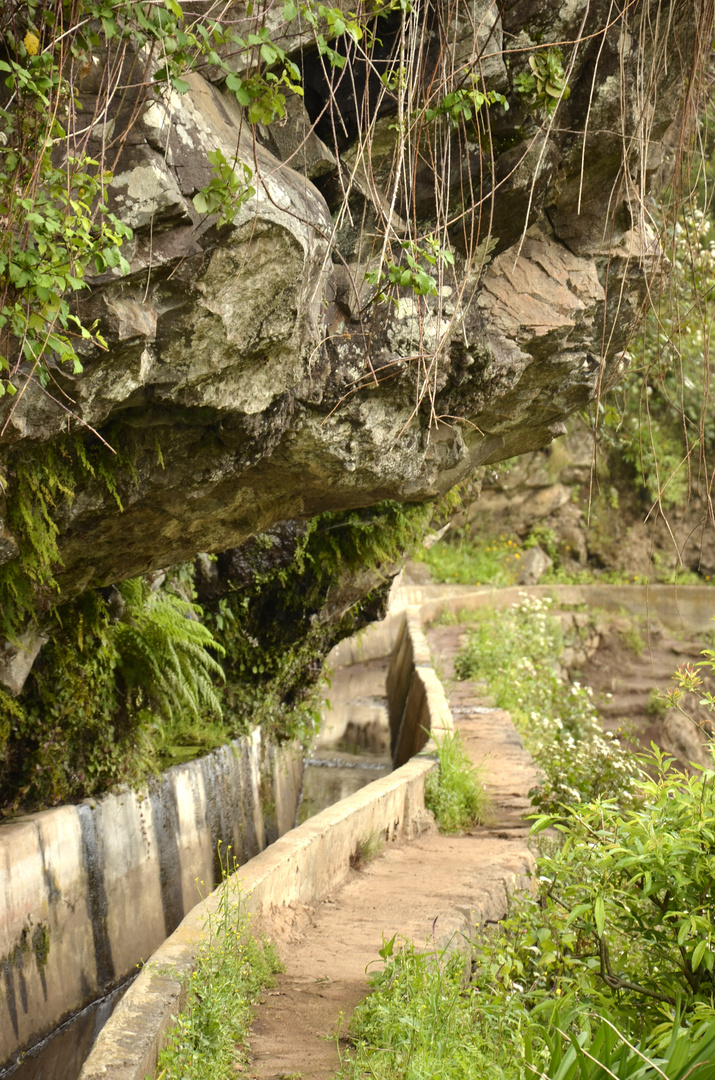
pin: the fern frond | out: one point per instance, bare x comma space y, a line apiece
164, 650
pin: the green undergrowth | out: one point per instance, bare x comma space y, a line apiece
497, 560
431, 1014
455, 793
424, 1020
208, 1038
604, 969
516, 652
106, 693
137, 677
38, 489
494, 561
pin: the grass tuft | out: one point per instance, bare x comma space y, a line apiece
455, 794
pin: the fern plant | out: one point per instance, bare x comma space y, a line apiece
164, 657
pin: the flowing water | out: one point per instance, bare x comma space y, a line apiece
61, 1055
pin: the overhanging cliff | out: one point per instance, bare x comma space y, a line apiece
254, 374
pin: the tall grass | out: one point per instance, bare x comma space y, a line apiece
207, 1041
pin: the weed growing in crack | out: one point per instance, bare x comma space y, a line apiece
367, 849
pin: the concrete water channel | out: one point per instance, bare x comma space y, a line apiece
351, 750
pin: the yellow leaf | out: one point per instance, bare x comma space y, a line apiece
31, 42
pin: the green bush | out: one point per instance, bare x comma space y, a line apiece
640, 887
600, 1051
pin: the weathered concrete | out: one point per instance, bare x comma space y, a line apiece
301, 867
416, 697
87, 892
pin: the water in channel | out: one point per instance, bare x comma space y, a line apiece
351, 750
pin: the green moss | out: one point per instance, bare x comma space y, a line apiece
42, 485
117, 694
41, 945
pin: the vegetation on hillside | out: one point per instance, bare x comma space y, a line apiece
136, 677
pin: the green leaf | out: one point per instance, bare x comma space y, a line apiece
697, 954
388, 948
599, 915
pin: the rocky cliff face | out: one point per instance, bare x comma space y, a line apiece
254, 375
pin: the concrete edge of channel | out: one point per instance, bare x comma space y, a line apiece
302, 866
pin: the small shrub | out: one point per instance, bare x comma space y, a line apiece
455, 794
657, 705
624, 910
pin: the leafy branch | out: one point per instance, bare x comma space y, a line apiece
545, 84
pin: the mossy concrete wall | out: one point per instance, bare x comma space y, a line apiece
87, 892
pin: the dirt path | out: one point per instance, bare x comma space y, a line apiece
429, 891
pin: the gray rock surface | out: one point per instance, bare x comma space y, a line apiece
533, 565
250, 378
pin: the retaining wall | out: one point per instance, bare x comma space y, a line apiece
690, 608
87, 892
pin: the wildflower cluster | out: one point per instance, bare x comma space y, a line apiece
516, 652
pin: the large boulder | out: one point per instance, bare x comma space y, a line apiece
253, 376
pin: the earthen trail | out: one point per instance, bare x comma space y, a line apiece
430, 890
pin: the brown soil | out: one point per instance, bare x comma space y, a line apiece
433, 890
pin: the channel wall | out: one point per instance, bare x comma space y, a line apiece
88, 892
302, 866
